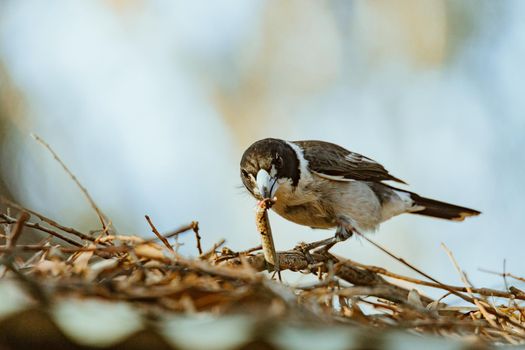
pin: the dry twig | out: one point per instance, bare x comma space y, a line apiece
17, 229
197, 236
159, 236
101, 216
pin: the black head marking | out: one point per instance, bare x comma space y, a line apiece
267, 154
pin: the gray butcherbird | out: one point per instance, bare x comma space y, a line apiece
322, 185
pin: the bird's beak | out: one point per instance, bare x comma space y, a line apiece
266, 184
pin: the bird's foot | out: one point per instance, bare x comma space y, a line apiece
343, 233
304, 248
307, 247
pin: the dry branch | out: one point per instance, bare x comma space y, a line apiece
296, 260
100, 214
48, 220
159, 236
17, 229
198, 238
37, 226
489, 292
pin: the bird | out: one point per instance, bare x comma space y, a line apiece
325, 186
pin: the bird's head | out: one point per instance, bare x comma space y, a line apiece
266, 165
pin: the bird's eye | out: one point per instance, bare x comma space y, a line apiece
244, 173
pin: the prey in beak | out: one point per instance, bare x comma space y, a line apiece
266, 184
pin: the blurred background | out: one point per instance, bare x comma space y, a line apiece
151, 104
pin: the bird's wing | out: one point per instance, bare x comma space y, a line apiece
334, 162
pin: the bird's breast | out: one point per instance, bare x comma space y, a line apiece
308, 214
304, 206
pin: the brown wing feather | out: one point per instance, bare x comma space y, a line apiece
333, 160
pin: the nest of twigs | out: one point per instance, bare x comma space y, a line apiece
152, 275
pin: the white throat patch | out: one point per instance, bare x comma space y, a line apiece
303, 163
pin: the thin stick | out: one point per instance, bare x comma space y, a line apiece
38, 247
492, 310
506, 274
177, 232
197, 236
38, 227
17, 228
480, 291
237, 254
48, 220
159, 236
250, 250
469, 288
403, 261
210, 251
100, 215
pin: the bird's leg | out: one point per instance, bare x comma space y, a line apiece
343, 232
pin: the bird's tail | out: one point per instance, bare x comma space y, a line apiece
441, 210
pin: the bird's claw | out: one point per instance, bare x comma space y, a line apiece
342, 233
310, 246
